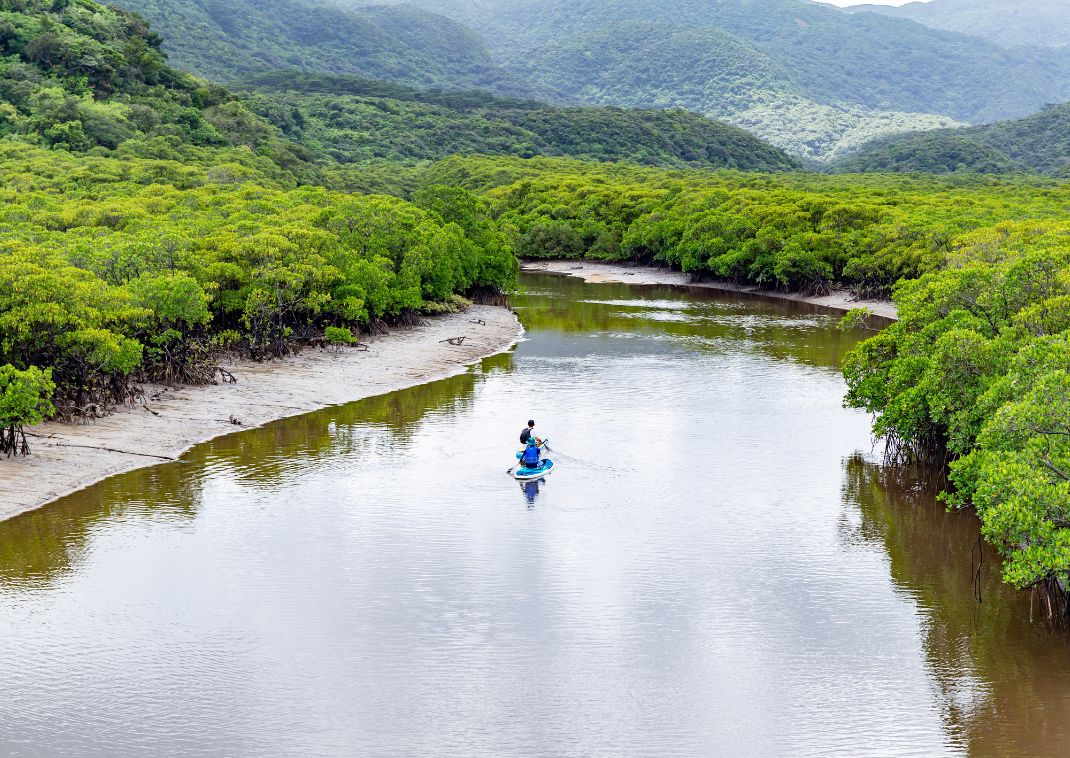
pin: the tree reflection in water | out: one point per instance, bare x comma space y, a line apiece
40, 547
1004, 683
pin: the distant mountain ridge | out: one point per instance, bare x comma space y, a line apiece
1037, 144
806, 76
1005, 22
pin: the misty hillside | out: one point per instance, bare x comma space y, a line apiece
1006, 22
225, 40
808, 77
1038, 144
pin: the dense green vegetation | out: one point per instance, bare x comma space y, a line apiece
808, 78
1005, 22
652, 64
795, 231
224, 40
25, 399
352, 120
979, 365
109, 275
151, 222
114, 272
1037, 144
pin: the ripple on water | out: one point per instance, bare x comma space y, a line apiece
368, 581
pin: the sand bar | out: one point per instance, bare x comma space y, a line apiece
66, 458
594, 272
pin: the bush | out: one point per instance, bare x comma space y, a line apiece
25, 400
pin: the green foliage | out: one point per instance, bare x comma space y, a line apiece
173, 329
706, 70
337, 335
793, 231
25, 399
978, 364
805, 76
110, 273
54, 314
78, 76
354, 120
1018, 476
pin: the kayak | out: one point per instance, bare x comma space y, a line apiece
523, 473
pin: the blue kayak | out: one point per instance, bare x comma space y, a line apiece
523, 473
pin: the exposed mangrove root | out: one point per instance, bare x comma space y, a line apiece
1054, 603
182, 362
13, 441
410, 319
225, 376
378, 328
488, 296
975, 568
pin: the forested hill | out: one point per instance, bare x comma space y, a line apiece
805, 76
351, 120
79, 76
1006, 22
866, 59
225, 40
808, 78
1038, 144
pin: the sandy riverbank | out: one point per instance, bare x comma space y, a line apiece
67, 458
593, 271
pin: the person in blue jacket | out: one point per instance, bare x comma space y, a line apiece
530, 458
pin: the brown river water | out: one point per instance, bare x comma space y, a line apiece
719, 565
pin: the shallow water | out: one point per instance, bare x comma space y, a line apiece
716, 567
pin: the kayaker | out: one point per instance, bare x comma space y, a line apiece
527, 433
530, 458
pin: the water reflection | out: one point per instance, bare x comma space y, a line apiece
365, 580
531, 490
1004, 684
41, 546
701, 319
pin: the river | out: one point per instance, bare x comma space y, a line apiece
718, 566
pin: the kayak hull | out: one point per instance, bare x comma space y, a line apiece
524, 474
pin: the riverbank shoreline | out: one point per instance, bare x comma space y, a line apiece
67, 458
595, 272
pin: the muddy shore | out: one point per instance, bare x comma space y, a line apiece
69, 457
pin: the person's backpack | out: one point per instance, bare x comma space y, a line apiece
531, 456
525, 435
